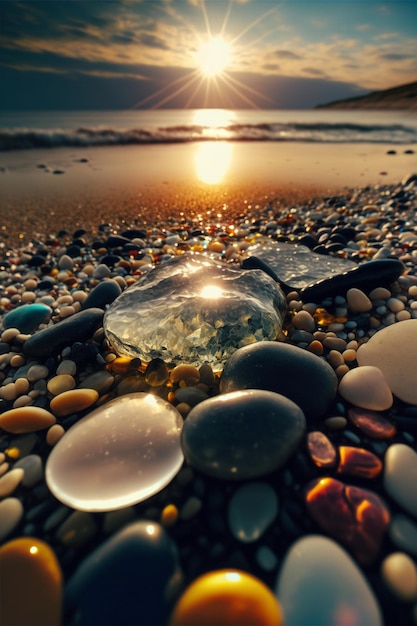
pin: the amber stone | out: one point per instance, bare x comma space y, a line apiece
323, 318
156, 373
372, 423
321, 450
358, 462
356, 517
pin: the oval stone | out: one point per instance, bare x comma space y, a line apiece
125, 580
252, 508
243, 434
367, 388
285, 369
400, 476
393, 350
103, 294
320, 584
119, 454
30, 584
27, 317
73, 401
26, 419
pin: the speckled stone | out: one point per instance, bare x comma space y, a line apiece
27, 317
285, 369
78, 327
30, 584
320, 584
222, 438
103, 591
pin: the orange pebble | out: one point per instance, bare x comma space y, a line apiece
26, 419
169, 515
72, 401
227, 598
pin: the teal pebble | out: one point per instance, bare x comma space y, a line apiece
27, 317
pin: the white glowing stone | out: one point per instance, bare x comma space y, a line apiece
120, 454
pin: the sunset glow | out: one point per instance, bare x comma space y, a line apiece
214, 56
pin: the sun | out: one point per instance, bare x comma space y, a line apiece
214, 56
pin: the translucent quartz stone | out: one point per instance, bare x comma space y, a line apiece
195, 310
120, 454
252, 509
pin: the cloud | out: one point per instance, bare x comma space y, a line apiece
286, 54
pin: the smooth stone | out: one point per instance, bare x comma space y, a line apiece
366, 387
400, 476
103, 294
251, 510
227, 596
11, 512
372, 423
321, 450
26, 419
37, 372
31, 583
285, 369
101, 381
399, 573
356, 517
403, 533
296, 266
364, 276
243, 434
394, 350
73, 401
77, 530
126, 580
195, 310
119, 454
320, 585
65, 262
358, 462
27, 317
358, 301
60, 383
10, 481
51, 340
33, 468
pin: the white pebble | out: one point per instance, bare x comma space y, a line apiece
304, 321
10, 481
400, 472
11, 512
367, 388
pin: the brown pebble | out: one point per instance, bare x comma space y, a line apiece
372, 423
184, 372
316, 347
59, 384
358, 462
27, 419
73, 401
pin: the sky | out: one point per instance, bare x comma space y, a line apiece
127, 54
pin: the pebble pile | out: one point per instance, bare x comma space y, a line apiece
163, 492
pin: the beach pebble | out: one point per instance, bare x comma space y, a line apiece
103, 591
283, 369
101, 381
60, 383
37, 372
367, 388
54, 434
321, 450
33, 469
399, 572
304, 321
11, 512
231, 597
50, 340
394, 351
95, 465
221, 438
358, 462
31, 583
358, 301
403, 533
356, 517
103, 294
372, 423
26, 419
77, 529
65, 262
27, 317
400, 472
252, 508
73, 401
10, 481
320, 584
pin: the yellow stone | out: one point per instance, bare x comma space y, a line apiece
30, 584
26, 419
59, 384
229, 597
73, 401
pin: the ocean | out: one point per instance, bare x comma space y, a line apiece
54, 129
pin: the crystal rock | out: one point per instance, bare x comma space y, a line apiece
195, 310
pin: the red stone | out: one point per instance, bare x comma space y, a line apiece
358, 462
372, 423
321, 450
356, 517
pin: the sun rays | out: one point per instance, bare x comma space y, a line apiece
214, 58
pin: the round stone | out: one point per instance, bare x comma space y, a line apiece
319, 583
243, 434
228, 597
285, 369
30, 584
400, 473
121, 453
126, 580
393, 350
252, 508
367, 388
27, 317
400, 574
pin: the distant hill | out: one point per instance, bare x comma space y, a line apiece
402, 97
